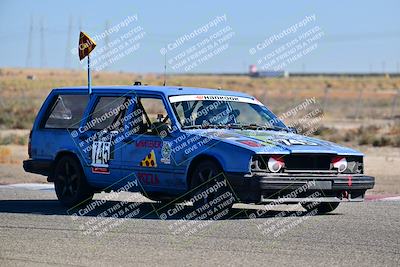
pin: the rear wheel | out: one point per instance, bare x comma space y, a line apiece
322, 208
209, 188
70, 182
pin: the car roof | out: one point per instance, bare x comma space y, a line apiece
165, 90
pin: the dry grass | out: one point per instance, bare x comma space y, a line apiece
5, 154
372, 135
13, 138
343, 98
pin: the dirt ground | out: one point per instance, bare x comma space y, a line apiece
381, 162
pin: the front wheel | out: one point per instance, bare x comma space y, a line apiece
70, 182
321, 208
210, 191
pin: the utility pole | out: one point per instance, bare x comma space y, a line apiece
383, 67
67, 61
29, 52
42, 47
106, 40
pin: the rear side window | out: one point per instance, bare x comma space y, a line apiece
67, 111
108, 113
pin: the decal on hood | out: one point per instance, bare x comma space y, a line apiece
263, 139
276, 141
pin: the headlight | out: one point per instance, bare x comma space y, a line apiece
275, 164
339, 163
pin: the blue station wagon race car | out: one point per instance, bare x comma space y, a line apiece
186, 144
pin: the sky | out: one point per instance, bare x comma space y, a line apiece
351, 36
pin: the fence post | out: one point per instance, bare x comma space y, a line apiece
325, 98
394, 104
358, 107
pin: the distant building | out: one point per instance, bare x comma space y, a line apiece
253, 72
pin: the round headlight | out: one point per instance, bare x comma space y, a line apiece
275, 164
339, 163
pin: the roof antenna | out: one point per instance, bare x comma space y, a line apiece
165, 66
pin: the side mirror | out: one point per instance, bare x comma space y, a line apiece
293, 130
160, 117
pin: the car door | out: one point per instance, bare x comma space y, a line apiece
147, 153
101, 136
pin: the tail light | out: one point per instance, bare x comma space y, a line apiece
30, 145
275, 163
339, 163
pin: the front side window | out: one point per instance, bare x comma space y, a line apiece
67, 111
152, 116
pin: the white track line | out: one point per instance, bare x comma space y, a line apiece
396, 198
30, 186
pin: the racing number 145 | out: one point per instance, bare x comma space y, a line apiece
101, 153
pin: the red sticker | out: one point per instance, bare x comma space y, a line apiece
148, 144
148, 178
250, 143
100, 170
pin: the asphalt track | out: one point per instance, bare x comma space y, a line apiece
36, 230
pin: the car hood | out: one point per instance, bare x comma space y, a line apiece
274, 142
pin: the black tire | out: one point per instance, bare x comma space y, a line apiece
322, 208
70, 182
205, 174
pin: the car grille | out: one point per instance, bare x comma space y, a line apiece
309, 163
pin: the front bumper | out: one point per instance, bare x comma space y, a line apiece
294, 188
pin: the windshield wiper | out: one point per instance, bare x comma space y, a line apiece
251, 126
254, 126
235, 126
205, 126
192, 127
274, 128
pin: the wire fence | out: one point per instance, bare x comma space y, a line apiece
338, 104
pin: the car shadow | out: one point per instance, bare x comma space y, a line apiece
138, 210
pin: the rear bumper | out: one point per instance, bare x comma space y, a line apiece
41, 167
294, 188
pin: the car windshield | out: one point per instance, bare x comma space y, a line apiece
223, 112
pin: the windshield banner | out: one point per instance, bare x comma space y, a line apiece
180, 98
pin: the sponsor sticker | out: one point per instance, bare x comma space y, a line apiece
149, 161
290, 142
148, 178
166, 151
148, 144
100, 170
250, 143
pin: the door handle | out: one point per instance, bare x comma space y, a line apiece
84, 136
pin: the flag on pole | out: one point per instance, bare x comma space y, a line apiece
86, 45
